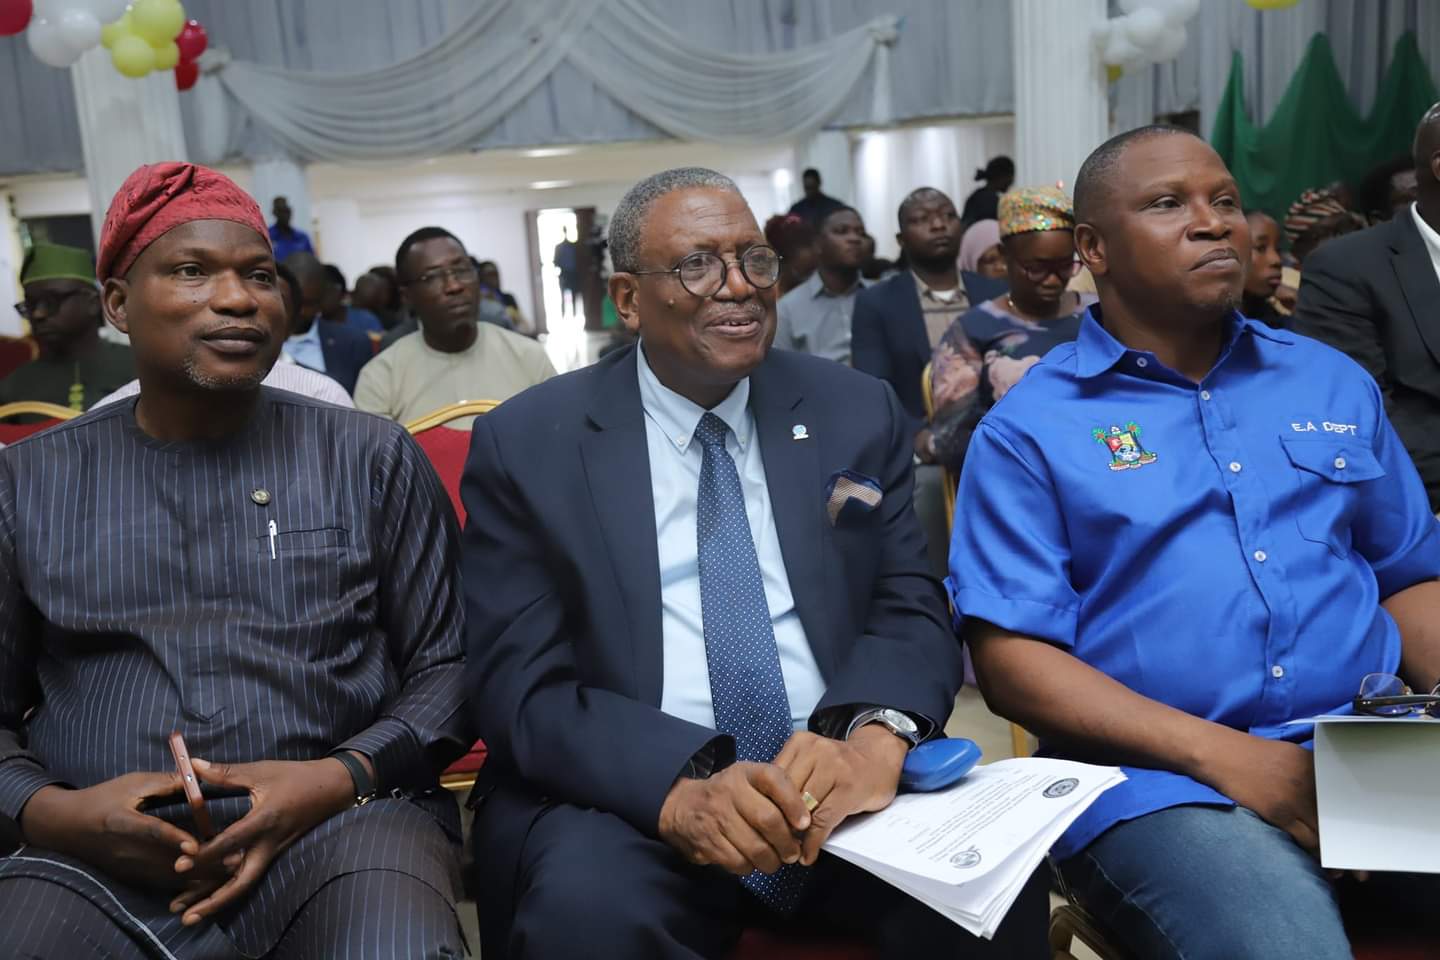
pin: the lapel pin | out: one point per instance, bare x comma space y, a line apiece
798, 432
260, 495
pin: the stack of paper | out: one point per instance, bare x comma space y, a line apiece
968, 850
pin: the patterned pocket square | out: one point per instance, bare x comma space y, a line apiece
851, 494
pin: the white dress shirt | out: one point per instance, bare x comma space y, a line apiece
675, 459
1431, 238
285, 375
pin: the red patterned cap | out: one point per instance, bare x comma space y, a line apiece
159, 197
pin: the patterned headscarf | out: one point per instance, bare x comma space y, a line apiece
1033, 209
1312, 207
159, 197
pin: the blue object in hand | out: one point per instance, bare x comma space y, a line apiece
936, 764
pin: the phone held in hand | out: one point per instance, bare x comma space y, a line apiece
204, 829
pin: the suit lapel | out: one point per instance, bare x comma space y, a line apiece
797, 491
1416, 273
617, 469
907, 304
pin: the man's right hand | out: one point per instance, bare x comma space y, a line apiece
747, 817
1273, 778
103, 826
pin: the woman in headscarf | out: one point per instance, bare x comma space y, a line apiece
1011, 332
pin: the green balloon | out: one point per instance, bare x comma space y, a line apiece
132, 56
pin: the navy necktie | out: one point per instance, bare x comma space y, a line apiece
747, 687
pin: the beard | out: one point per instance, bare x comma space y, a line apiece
225, 382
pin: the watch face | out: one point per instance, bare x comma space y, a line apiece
901, 722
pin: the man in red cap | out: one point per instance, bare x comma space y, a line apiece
273, 577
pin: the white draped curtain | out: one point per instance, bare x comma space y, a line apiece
443, 99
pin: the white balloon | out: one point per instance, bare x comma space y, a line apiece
48, 45
80, 30
1145, 27
106, 11
1171, 45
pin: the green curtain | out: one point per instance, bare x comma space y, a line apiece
1316, 136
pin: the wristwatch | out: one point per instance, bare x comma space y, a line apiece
364, 783
895, 721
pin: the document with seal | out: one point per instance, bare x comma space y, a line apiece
966, 851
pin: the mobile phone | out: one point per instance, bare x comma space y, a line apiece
204, 829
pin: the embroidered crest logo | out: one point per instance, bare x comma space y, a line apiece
1126, 450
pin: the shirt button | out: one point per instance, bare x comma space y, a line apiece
1204, 394
1277, 671
1261, 556
1339, 463
1141, 362
1234, 466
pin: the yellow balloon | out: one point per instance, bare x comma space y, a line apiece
1113, 73
157, 21
112, 32
1271, 4
167, 55
132, 56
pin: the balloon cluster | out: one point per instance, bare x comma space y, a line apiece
1148, 31
141, 35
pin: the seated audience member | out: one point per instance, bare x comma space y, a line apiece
1387, 190
275, 578
815, 316
984, 202
498, 314
664, 668
75, 367
982, 261
453, 356
793, 238
1315, 219
334, 349
286, 374
378, 291
1375, 296
898, 322
334, 308
1164, 560
987, 351
815, 205
1265, 271
490, 280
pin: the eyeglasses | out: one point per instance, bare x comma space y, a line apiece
1037, 270
1386, 695
703, 274
463, 272
50, 303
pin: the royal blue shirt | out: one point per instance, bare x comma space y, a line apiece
286, 242
1221, 547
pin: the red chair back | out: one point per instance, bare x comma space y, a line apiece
15, 352
447, 448
15, 432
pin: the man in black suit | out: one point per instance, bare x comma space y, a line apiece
698, 608
334, 349
894, 331
1375, 295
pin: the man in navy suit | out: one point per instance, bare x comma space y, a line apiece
334, 349
701, 628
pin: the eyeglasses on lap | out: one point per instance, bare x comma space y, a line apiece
1386, 695
703, 273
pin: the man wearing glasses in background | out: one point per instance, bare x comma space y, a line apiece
701, 628
453, 356
62, 303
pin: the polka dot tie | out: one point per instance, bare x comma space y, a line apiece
746, 685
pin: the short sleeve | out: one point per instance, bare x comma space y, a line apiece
1009, 553
1393, 527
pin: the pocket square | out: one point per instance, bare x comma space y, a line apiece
851, 492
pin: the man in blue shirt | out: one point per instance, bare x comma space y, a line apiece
1179, 534
283, 237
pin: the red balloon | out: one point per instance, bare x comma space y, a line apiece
15, 16
192, 41
185, 75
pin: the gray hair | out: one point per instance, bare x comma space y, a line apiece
628, 221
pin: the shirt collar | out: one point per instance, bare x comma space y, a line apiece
815, 286
1427, 232
1096, 350
309, 336
677, 416
925, 290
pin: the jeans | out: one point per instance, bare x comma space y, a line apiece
1198, 882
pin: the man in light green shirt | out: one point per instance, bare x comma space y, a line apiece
452, 357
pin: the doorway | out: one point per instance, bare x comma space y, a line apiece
567, 278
